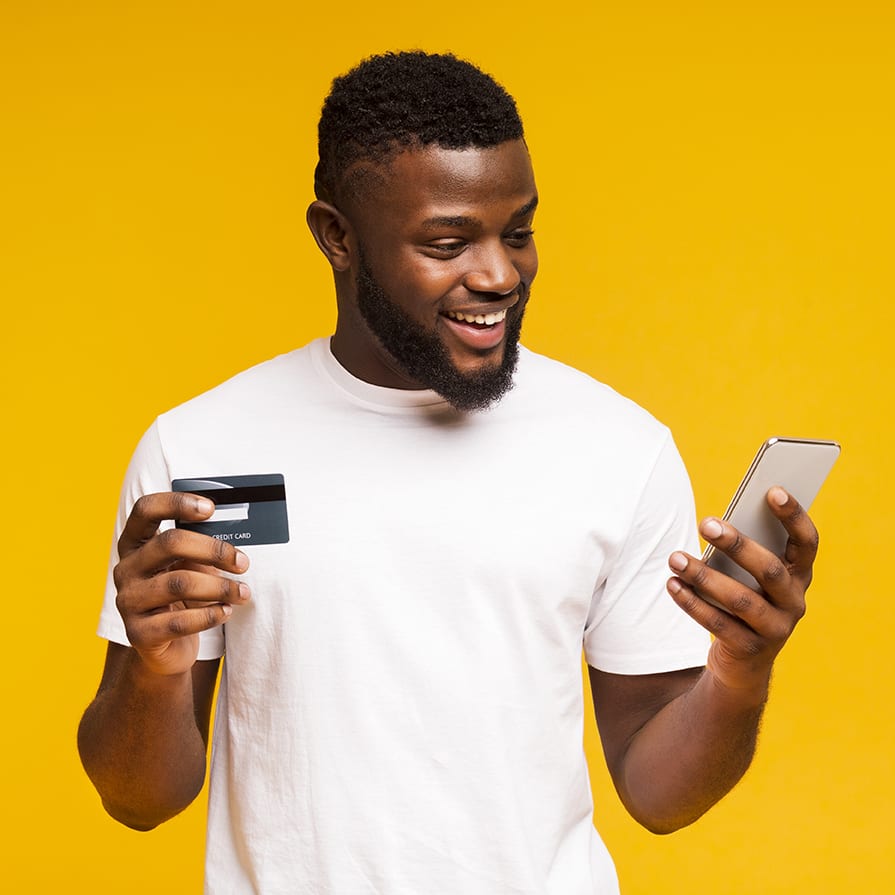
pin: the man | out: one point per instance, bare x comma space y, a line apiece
400, 708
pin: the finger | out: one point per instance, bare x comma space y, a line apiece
718, 621
739, 656
733, 598
180, 586
195, 567
768, 569
151, 509
801, 546
178, 545
155, 630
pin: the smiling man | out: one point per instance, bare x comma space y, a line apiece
430, 239
434, 524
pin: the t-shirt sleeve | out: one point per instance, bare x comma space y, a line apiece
634, 626
146, 474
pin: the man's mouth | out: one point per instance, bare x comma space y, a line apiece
480, 319
478, 332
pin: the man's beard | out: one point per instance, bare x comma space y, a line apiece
422, 356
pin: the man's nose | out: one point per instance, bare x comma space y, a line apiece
492, 272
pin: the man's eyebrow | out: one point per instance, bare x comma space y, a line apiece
527, 209
457, 220
462, 220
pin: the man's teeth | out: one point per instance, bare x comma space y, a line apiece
488, 319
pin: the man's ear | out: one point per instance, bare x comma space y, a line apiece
333, 233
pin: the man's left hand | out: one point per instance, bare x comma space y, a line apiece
757, 623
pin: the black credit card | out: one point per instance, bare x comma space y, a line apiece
249, 509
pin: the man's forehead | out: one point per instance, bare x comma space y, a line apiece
419, 175
441, 218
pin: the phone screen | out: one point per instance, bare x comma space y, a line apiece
800, 465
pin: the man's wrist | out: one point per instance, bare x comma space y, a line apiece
746, 692
147, 678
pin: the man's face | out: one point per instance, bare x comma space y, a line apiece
421, 354
444, 265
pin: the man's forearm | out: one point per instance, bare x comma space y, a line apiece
141, 746
690, 754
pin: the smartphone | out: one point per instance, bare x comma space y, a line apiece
799, 465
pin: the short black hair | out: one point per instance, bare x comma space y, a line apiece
396, 101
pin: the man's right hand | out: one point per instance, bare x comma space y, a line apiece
169, 584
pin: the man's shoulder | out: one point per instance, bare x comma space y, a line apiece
253, 389
564, 390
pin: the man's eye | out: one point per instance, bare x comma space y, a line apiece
446, 248
520, 238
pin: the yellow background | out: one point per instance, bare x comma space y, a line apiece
716, 242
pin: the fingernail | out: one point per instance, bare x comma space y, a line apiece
678, 561
204, 505
674, 586
241, 562
779, 496
712, 528
227, 610
244, 592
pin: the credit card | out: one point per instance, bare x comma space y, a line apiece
249, 509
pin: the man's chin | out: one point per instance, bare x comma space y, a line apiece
428, 360
479, 388
482, 366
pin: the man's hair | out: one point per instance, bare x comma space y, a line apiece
398, 101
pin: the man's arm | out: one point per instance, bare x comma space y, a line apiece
143, 738
676, 743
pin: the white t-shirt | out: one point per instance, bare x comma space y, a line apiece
401, 706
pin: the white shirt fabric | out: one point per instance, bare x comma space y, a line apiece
401, 705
